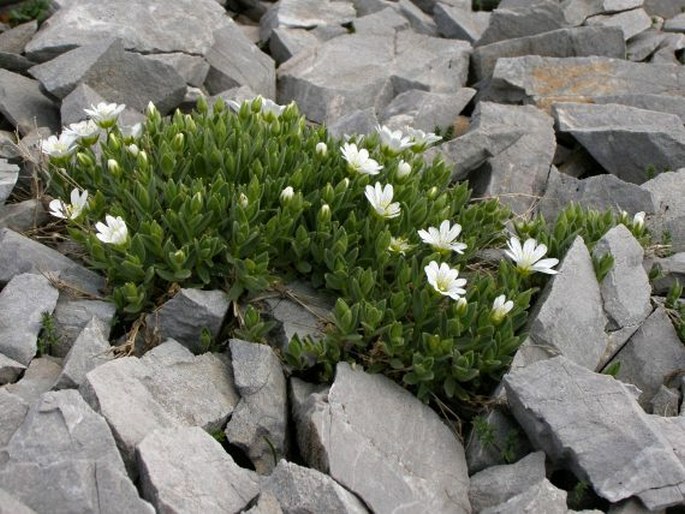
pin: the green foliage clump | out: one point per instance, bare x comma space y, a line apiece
250, 199
38, 10
48, 337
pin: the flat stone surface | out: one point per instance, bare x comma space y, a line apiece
300, 489
286, 42
24, 105
304, 14
625, 140
9, 173
369, 454
15, 39
259, 423
672, 269
9, 369
424, 110
22, 303
668, 189
660, 103
456, 22
72, 315
630, 22
557, 326
14, 410
542, 497
38, 379
163, 26
187, 470
192, 68
592, 424
83, 97
10, 505
577, 11
519, 19
384, 22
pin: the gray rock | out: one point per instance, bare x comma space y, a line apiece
307, 406
162, 27
664, 8
9, 173
9, 369
300, 489
672, 270
304, 14
187, 315
665, 402
192, 68
541, 497
591, 424
23, 216
22, 303
91, 349
369, 455
82, 97
19, 254
625, 289
286, 42
361, 121
573, 329
660, 103
517, 174
187, 470
71, 316
167, 388
420, 22
540, 79
9, 149
626, 141
668, 189
327, 83
38, 379
643, 46
669, 51
455, 22
577, 11
675, 24
498, 484
381, 23
63, 459
24, 105
632, 506
651, 355
566, 42
10, 505
630, 22
14, 62
259, 424
14, 40
424, 110
14, 410
266, 504
236, 61
600, 192
519, 19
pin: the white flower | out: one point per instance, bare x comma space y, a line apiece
72, 211
133, 149
392, 140
132, 131
443, 239
639, 219
151, 108
271, 107
60, 147
527, 258
87, 131
421, 140
113, 232
359, 161
403, 169
113, 166
321, 149
380, 199
399, 245
287, 193
105, 114
501, 307
445, 280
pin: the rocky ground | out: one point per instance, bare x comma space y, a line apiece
551, 102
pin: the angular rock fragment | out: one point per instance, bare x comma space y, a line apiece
626, 141
668, 189
385, 22
22, 303
369, 455
359, 122
15, 39
83, 97
9, 369
187, 470
659, 103
631, 22
577, 11
455, 22
9, 173
38, 379
424, 110
672, 270
72, 315
259, 424
540, 497
300, 489
90, 349
286, 42
518, 19
305, 14
24, 105
665, 402
14, 409
591, 424
192, 68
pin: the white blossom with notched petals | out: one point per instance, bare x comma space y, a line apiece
70, 211
105, 114
639, 219
287, 193
393, 140
59, 147
359, 160
529, 257
501, 307
443, 238
83, 130
445, 280
380, 198
421, 140
113, 231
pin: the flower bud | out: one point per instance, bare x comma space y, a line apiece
462, 305
325, 213
151, 110
177, 143
243, 201
403, 169
133, 149
432, 192
84, 159
142, 159
114, 141
287, 194
113, 167
321, 149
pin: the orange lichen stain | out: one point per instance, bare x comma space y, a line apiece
545, 103
572, 80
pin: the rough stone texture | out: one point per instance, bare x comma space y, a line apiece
63, 459
167, 388
327, 81
672, 269
300, 489
519, 19
660, 103
15, 39
497, 484
575, 328
305, 14
38, 378
668, 190
187, 470
235, 61
517, 174
385, 22
10, 505
22, 303
566, 42
425, 111
24, 105
459, 23
14, 409
184, 317
592, 424
90, 350
286, 42
307, 403
259, 424
9, 173
645, 44
360, 122
577, 11
540, 79
23, 216
72, 315
161, 28
630, 22
266, 504
540, 497
651, 355
625, 140
9, 369
192, 68
665, 402
19, 254
368, 453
